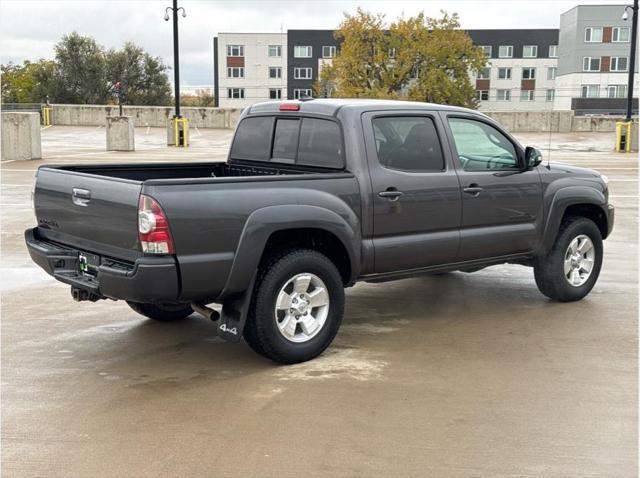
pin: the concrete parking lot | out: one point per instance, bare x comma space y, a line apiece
450, 376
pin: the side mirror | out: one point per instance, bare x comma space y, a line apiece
532, 157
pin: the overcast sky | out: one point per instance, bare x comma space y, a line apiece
29, 29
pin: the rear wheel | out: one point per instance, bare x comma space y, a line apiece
572, 267
162, 312
297, 307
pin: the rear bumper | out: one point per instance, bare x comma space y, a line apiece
148, 279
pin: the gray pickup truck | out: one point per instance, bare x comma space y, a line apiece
315, 196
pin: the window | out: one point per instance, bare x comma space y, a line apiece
620, 35
486, 49
302, 51
482, 147
275, 50
235, 93
275, 72
617, 91
528, 73
301, 93
482, 95
590, 64
275, 93
504, 73
320, 144
619, 63
235, 50
408, 143
484, 74
503, 95
551, 94
505, 51
302, 73
552, 71
530, 51
593, 34
553, 51
253, 138
527, 95
328, 51
392, 52
285, 140
235, 72
590, 91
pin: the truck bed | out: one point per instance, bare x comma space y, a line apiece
147, 172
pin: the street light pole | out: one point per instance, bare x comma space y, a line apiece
632, 59
176, 52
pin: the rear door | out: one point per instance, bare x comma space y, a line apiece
501, 201
99, 214
416, 194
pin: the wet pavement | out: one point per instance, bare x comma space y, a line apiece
449, 376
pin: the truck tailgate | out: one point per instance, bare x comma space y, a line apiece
97, 212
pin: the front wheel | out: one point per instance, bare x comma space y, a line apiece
571, 269
162, 312
297, 307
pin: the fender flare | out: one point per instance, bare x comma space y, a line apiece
262, 223
562, 199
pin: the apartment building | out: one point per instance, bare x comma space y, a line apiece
308, 52
593, 64
581, 66
521, 69
250, 67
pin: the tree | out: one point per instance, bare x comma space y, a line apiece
29, 83
83, 72
418, 58
141, 75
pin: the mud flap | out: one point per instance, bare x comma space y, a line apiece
234, 315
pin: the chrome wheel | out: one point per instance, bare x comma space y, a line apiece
302, 307
578, 260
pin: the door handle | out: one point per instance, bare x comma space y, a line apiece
473, 189
80, 197
391, 194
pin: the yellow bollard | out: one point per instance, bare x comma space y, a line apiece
46, 116
623, 136
181, 125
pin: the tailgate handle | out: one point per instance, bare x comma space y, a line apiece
81, 197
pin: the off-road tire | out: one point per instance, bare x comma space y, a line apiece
261, 331
162, 312
549, 269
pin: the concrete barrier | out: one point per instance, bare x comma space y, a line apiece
159, 116
120, 134
21, 136
154, 116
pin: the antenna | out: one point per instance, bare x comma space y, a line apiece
550, 128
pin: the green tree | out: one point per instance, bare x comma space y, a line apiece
81, 70
141, 75
418, 58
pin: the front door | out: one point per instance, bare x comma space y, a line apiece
415, 191
501, 200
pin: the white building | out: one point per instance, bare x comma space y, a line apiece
251, 67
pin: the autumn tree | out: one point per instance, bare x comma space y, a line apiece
418, 58
31, 82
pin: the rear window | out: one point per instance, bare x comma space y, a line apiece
320, 144
285, 141
253, 138
307, 141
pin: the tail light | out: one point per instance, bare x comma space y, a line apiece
153, 227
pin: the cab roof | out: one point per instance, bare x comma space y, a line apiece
331, 106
